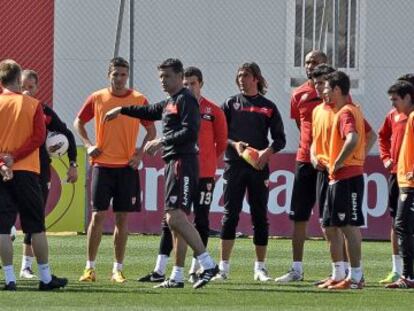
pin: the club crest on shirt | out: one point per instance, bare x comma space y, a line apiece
236, 106
304, 97
209, 186
341, 216
397, 118
208, 110
173, 199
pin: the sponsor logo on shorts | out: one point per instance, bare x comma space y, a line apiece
173, 199
209, 186
403, 197
133, 200
341, 216
186, 193
354, 201
266, 183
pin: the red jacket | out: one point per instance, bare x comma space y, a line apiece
212, 138
390, 137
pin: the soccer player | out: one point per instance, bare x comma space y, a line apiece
22, 131
30, 86
390, 137
322, 119
401, 95
180, 117
115, 160
212, 140
303, 100
250, 118
348, 148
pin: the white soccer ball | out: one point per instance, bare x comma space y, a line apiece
56, 144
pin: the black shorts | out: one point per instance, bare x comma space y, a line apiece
322, 183
121, 185
22, 195
304, 192
181, 183
393, 194
343, 205
205, 193
45, 181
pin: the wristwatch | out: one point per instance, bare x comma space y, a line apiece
73, 164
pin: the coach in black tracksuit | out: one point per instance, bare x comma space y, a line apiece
250, 117
180, 117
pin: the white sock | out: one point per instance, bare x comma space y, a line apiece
90, 264
44, 273
161, 264
259, 265
194, 266
177, 274
117, 267
338, 271
27, 262
297, 266
397, 264
356, 273
9, 275
224, 266
206, 262
346, 265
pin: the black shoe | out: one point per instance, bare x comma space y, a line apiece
193, 277
169, 283
11, 286
206, 277
55, 283
152, 277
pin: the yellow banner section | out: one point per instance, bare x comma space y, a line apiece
66, 203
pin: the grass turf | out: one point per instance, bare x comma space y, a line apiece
240, 292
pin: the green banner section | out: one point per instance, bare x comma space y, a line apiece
65, 210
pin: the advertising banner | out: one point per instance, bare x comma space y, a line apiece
377, 220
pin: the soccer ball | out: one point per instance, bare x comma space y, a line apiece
251, 155
56, 144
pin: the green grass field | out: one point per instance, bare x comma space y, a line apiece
238, 293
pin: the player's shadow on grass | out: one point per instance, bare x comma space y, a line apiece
280, 289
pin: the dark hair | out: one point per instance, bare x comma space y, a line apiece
254, 69
402, 88
320, 55
10, 72
30, 74
174, 63
340, 79
193, 71
117, 62
409, 77
322, 70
